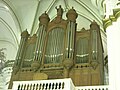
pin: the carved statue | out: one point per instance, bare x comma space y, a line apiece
59, 11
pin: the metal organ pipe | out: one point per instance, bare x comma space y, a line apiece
94, 46
24, 37
60, 47
19, 50
54, 46
94, 28
44, 19
71, 15
52, 39
72, 25
39, 43
54, 53
20, 54
70, 39
58, 44
94, 38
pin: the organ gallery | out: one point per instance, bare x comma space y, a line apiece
57, 51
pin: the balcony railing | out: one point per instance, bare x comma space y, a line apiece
104, 87
56, 84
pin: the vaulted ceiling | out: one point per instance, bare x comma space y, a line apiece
19, 15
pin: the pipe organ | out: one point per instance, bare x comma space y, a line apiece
57, 50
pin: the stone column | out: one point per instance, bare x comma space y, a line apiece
112, 26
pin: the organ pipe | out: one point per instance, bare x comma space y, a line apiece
94, 46
19, 50
82, 49
71, 40
54, 47
94, 29
71, 28
44, 19
24, 37
38, 42
41, 44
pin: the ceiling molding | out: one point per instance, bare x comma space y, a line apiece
50, 6
66, 4
33, 30
85, 16
12, 13
89, 10
35, 16
10, 30
4, 40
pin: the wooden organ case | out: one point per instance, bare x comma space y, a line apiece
57, 50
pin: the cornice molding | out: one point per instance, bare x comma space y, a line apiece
112, 18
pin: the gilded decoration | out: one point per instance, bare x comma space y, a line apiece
112, 18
